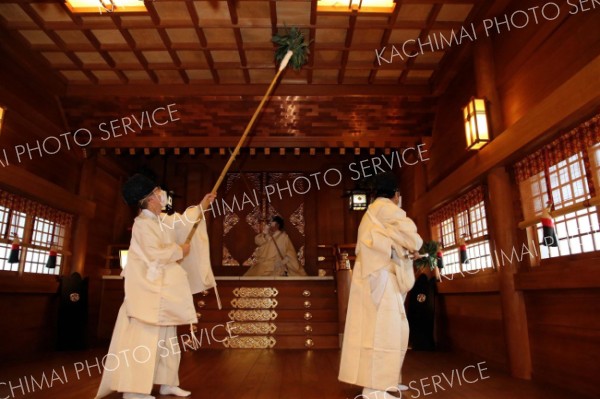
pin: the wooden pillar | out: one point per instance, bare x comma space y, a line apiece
80, 238
504, 234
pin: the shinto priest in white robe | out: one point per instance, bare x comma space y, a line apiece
376, 333
268, 256
144, 349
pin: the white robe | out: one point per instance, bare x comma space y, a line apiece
269, 262
376, 332
158, 296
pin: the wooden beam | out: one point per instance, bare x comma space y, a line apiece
134, 90
574, 99
38, 68
208, 142
22, 181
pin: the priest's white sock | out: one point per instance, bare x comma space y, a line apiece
171, 390
132, 395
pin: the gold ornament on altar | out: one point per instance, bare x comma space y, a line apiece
255, 292
307, 316
201, 304
252, 315
252, 328
306, 293
259, 342
307, 304
254, 303
74, 297
308, 328
309, 343
204, 293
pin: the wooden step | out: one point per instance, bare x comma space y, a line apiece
263, 342
280, 302
218, 330
269, 313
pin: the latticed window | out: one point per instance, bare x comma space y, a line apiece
38, 227
463, 219
570, 167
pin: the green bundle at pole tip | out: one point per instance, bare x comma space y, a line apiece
429, 255
292, 40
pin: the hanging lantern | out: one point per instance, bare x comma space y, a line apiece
15, 251
51, 262
548, 230
476, 125
463, 251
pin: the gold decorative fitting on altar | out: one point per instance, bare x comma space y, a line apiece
252, 328
259, 342
307, 316
254, 303
201, 304
194, 329
255, 292
306, 293
74, 297
307, 304
421, 298
198, 315
204, 293
252, 315
344, 261
309, 343
308, 328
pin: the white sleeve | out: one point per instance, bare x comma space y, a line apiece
378, 281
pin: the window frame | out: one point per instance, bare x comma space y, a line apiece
438, 233
27, 248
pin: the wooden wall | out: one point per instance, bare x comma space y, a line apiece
29, 303
541, 71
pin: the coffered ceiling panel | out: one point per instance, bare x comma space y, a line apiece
224, 48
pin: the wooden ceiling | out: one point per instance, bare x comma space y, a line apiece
192, 51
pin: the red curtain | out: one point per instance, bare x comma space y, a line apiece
460, 204
21, 204
569, 143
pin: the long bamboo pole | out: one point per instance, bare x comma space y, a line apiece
282, 66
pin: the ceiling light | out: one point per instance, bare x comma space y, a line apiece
356, 5
106, 6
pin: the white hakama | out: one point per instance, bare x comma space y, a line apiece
144, 349
376, 332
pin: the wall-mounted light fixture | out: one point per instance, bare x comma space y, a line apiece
358, 200
123, 257
2, 110
103, 6
476, 124
356, 5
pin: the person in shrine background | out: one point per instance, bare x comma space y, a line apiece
376, 333
158, 294
276, 255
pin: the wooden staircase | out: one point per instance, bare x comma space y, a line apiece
281, 313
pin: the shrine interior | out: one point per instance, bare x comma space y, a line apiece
486, 112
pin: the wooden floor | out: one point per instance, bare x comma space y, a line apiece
272, 374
